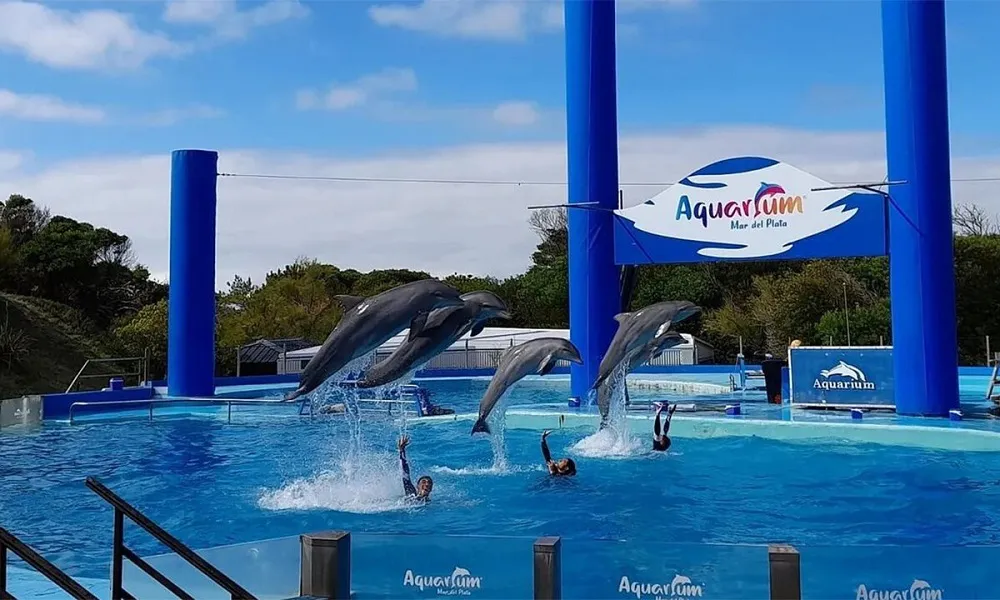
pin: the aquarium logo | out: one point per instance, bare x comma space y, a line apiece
843, 377
919, 590
680, 587
459, 583
770, 201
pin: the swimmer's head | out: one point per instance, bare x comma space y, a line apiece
661, 443
424, 486
566, 466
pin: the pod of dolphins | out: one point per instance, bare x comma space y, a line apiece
437, 316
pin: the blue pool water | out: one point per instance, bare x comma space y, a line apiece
270, 474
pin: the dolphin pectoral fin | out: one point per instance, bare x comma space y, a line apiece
417, 325
349, 302
477, 328
548, 365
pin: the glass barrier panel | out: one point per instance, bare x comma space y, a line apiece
268, 569
607, 569
429, 566
898, 572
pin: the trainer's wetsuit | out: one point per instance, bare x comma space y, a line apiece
407, 484
662, 442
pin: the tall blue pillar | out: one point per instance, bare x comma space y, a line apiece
592, 157
921, 259
191, 319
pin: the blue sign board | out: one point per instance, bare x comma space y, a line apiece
751, 208
855, 376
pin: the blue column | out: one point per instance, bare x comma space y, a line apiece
922, 270
191, 319
592, 156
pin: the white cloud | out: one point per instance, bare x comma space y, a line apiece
10, 160
497, 20
85, 39
360, 92
516, 113
37, 107
172, 116
227, 19
264, 224
476, 19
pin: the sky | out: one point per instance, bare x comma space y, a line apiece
94, 96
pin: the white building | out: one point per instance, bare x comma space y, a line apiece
484, 350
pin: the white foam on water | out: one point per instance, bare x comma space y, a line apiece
370, 487
616, 439
479, 470
608, 443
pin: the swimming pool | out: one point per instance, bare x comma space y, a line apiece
872, 514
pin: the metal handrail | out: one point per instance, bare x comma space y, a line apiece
142, 372
40, 564
229, 403
120, 552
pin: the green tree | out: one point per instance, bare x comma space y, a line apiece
145, 330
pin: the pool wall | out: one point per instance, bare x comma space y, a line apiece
56, 406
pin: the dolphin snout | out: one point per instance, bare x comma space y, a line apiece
502, 314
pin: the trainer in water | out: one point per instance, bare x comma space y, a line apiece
444, 327
425, 484
370, 322
636, 330
661, 441
559, 468
534, 357
659, 344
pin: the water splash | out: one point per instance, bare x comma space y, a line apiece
371, 486
616, 440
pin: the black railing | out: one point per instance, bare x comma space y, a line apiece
120, 552
40, 564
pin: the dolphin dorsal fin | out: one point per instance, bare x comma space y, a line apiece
622, 317
349, 302
477, 328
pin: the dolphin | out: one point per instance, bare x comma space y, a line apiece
537, 356
370, 322
444, 327
654, 348
637, 329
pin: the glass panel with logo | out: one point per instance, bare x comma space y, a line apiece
898, 572
617, 569
427, 566
268, 569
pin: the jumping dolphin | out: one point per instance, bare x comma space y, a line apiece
444, 327
537, 356
637, 329
654, 348
370, 322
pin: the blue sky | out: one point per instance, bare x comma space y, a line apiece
94, 96
234, 76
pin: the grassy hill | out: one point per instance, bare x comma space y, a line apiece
42, 346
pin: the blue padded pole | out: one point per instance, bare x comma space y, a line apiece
592, 157
191, 320
921, 259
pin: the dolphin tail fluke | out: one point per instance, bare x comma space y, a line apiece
480, 427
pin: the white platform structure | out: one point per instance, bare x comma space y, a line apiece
484, 350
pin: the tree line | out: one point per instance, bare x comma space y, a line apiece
764, 304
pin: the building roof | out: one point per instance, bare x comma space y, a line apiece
268, 351
490, 338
